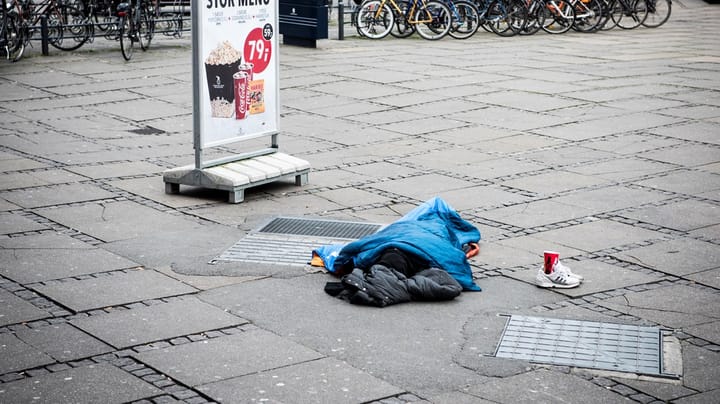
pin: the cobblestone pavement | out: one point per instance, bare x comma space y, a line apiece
604, 147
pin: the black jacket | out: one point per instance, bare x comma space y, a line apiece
382, 286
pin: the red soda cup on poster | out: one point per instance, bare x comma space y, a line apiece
240, 84
247, 68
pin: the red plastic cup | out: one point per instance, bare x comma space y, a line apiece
551, 258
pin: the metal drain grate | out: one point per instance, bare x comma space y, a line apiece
587, 344
290, 241
320, 228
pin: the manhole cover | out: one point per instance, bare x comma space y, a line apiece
586, 344
290, 241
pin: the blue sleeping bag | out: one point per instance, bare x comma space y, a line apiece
432, 231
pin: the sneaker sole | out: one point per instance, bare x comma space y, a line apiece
555, 285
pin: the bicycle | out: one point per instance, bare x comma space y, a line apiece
505, 17
658, 13
11, 42
430, 18
626, 14
588, 15
559, 16
465, 18
135, 25
67, 27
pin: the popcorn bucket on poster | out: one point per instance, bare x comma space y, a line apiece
220, 66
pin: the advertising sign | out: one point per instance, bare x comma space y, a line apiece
236, 70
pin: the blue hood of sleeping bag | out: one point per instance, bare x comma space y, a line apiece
432, 231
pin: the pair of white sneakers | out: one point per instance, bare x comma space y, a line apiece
561, 277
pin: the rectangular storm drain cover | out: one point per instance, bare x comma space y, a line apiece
320, 228
290, 241
586, 344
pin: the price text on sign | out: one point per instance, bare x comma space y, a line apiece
258, 48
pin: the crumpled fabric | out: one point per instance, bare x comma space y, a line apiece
381, 286
432, 231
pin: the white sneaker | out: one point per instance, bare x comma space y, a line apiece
557, 279
559, 267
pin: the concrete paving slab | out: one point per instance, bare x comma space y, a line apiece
686, 182
153, 188
121, 169
683, 215
44, 240
499, 255
6, 206
479, 197
90, 384
553, 182
227, 357
56, 195
14, 310
689, 155
32, 179
122, 329
11, 91
598, 235
567, 155
538, 213
422, 187
621, 170
527, 101
679, 257
17, 355
631, 144
325, 380
112, 289
701, 368
13, 223
710, 278
537, 247
289, 307
510, 119
674, 306
352, 196
35, 265
599, 277
113, 221
609, 199
543, 385
59, 148
696, 131
63, 342
663, 391
20, 164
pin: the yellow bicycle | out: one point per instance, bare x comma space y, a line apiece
430, 18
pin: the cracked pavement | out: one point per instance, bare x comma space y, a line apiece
603, 147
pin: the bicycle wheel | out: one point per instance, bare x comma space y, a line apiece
402, 28
466, 20
374, 19
146, 27
433, 21
535, 17
71, 27
658, 13
12, 39
588, 15
610, 7
127, 42
633, 15
559, 17
507, 17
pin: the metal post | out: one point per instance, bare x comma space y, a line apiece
341, 20
44, 34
